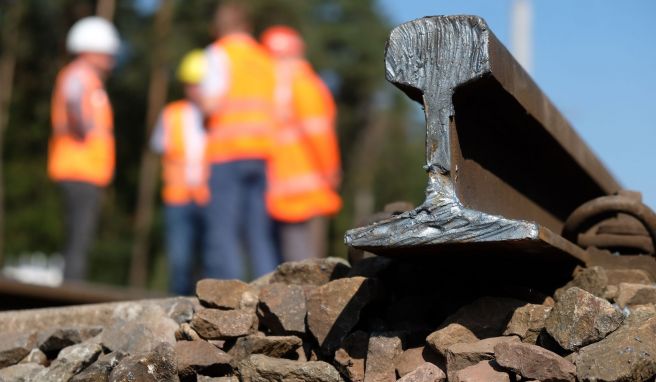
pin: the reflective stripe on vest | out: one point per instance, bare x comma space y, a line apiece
89, 159
184, 168
243, 125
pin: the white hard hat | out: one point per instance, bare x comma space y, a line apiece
93, 34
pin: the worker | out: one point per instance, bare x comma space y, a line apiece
238, 98
304, 170
180, 137
81, 147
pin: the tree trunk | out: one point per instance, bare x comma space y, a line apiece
106, 9
149, 171
10, 35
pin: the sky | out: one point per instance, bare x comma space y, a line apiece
595, 60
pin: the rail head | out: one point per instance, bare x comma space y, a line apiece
503, 164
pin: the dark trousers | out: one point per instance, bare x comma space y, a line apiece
236, 216
184, 233
82, 206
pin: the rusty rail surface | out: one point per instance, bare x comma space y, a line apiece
505, 168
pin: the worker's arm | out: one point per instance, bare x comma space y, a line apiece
317, 118
80, 120
216, 80
157, 139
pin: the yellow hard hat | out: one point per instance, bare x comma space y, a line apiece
192, 67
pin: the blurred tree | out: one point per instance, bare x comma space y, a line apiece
381, 151
10, 22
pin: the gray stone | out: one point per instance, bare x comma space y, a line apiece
36, 356
635, 294
223, 324
260, 368
181, 310
593, 280
14, 347
579, 318
311, 271
99, 371
53, 340
533, 362
383, 350
222, 294
23, 372
628, 354
483, 371
272, 346
282, 308
334, 309
159, 365
462, 355
350, 357
201, 357
139, 329
487, 316
70, 361
527, 322
204, 378
426, 372
452, 334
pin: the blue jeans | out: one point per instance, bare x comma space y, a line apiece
184, 234
237, 215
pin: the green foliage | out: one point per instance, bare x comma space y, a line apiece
345, 41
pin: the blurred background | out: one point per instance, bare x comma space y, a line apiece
593, 59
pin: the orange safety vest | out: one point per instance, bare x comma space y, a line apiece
305, 164
180, 187
243, 125
92, 158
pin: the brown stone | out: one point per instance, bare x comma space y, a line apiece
350, 357
452, 334
260, 368
383, 349
200, 356
426, 372
579, 318
482, 371
639, 314
272, 346
635, 294
204, 378
99, 370
186, 333
411, 359
628, 354
70, 361
14, 347
311, 271
158, 365
592, 280
282, 308
222, 294
487, 316
527, 322
334, 309
222, 324
533, 362
634, 276
462, 355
